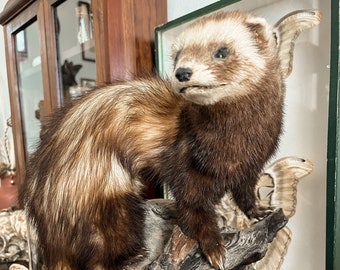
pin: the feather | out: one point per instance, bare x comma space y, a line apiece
287, 29
276, 251
277, 188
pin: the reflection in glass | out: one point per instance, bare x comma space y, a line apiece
76, 51
85, 32
28, 63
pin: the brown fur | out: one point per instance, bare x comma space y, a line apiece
84, 181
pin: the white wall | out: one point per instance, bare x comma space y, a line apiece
305, 130
178, 8
4, 97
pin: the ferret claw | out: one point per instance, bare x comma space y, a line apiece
217, 263
216, 259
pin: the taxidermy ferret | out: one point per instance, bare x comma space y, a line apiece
209, 129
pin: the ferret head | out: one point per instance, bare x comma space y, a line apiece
222, 56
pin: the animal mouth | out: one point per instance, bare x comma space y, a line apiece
199, 87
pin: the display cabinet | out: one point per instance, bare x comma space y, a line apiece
55, 49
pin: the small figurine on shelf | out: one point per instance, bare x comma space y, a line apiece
69, 72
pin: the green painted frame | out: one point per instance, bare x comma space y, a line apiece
333, 151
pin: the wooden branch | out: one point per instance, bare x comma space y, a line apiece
168, 248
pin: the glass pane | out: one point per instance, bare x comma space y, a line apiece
306, 116
28, 64
76, 51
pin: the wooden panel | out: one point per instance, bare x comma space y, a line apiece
124, 37
49, 57
100, 13
114, 42
13, 8
144, 31
121, 39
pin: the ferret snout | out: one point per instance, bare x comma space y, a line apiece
183, 74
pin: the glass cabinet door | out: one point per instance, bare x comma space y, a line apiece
24, 68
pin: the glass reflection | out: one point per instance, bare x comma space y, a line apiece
76, 51
28, 63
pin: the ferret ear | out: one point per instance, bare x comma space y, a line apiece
262, 32
287, 29
260, 29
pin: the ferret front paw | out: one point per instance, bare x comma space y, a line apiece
215, 254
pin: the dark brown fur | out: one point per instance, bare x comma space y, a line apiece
83, 182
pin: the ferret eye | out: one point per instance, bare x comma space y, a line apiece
176, 56
221, 53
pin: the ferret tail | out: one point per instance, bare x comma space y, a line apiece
116, 236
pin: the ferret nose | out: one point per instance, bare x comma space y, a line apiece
183, 74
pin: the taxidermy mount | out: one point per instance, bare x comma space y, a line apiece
208, 130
